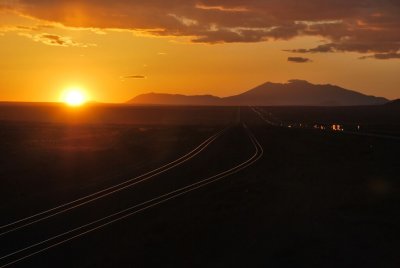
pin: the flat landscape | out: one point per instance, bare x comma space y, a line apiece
200, 133
150, 186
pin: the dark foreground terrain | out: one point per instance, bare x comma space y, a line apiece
222, 187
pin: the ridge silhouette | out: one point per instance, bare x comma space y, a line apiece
293, 93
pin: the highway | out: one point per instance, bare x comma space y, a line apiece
253, 194
43, 215
34, 224
267, 118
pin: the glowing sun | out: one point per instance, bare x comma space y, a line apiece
74, 97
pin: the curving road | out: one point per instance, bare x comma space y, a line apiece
47, 214
48, 229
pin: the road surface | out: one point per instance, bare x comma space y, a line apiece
252, 194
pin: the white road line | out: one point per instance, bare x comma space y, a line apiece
262, 117
148, 204
108, 191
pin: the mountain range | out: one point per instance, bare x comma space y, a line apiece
394, 103
293, 93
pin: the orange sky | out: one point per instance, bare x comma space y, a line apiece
47, 48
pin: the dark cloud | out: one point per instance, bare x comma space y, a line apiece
134, 77
383, 56
364, 26
382, 51
54, 40
299, 60
320, 48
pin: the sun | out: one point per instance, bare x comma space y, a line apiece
74, 96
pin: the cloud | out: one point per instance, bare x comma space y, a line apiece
363, 26
299, 59
320, 48
54, 40
185, 21
222, 8
382, 51
23, 28
134, 77
383, 56
36, 28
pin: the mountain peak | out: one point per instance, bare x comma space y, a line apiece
294, 93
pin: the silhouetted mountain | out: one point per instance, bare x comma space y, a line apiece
395, 103
175, 99
302, 93
293, 93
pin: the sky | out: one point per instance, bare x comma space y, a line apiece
115, 50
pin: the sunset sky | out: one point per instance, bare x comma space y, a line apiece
116, 50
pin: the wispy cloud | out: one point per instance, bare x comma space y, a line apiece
222, 8
133, 77
35, 28
184, 20
55, 40
299, 60
383, 56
